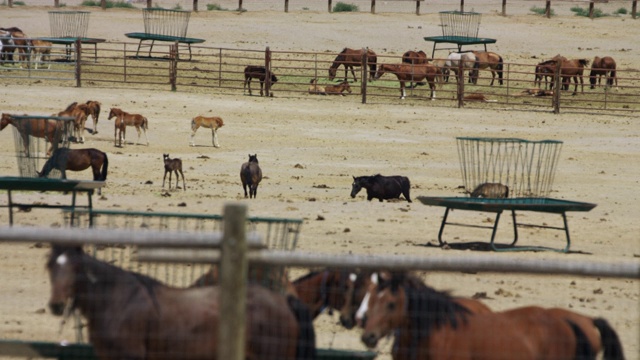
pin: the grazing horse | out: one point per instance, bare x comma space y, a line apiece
173, 166
600, 67
350, 58
468, 60
415, 57
412, 73
65, 159
488, 60
260, 73
214, 123
490, 190
51, 130
124, 119
133, 316
251, 175
79, 113
398, 307
337, 89
93, 109
382, 187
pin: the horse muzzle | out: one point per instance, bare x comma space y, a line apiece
57, 308
370, 340
347, 323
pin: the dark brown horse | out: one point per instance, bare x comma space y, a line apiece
600, 67
415, 57
412, 73
124, 119
350, 58
64, 159
132, 316
488, 60
569, 69
260, 73
51, 130
530, 332
251, 175
173, 166
544, 70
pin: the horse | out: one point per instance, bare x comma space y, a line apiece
260, 73
415, 57
214, 123
171, 166
443, 70
50, 130
490, 190
265, 275
93, 108
382, 187
427, 323
350, 58
133, 316
65, 159
489, 60
124, 119
468, 60
251, 175
79, 113
337, 89
13, 39
546, 70
412, 73
40, 52
600, 67
315, 89
573, 69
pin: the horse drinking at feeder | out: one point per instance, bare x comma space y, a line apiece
260, 73
173, 166
214, 123
412, 73
51, 130
133, 316
64, 159
350, 58
382, 187
251, 175
488, 60
398, 307
600, 67
124, 119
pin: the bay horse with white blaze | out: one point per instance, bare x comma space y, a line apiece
133, 316
260, 73
600, 67
350, 58
382, 187
412, 73
64, 159
214, 123
124, 119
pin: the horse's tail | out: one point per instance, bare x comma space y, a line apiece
611, 78
105, 167
373, 67
306, 344
583, 350
500, 69
145, 124
610, 341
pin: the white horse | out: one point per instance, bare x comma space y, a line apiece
468, 60
213, 123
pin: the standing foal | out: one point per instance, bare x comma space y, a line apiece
173, 165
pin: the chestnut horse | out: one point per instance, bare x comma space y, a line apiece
214, 123
589, 335
489, 60
544, 70
93, 109
132, 316
124, 119
412, 73
350, 58
51, 130
79, 113
415, 57
600, 67
337, 89
65, 159
569, 69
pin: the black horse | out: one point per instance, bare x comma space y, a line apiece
260, 73
251, 175
382, 187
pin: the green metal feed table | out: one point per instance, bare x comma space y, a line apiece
68, 42
459, 41
546, 205
157, 37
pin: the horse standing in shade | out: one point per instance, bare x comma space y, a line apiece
600, 67
51, 130
132, 316
260, 73
124, 119
350, 58
382, 187
214, 123
251, 175
412, 73
65, 159
488, 60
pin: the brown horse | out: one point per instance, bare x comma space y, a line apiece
260, 73
350, 58
93, 109
451, 325
337, 89
51, 130
600, 67
265, 275
124, 119
251, 175
415, 57
569, 69
489, 60
40, 52
544, 70
214, 123
132, 316
173, 166
65, 159
315, 89
79, 113
412, 73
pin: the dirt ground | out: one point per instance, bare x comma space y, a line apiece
309, 149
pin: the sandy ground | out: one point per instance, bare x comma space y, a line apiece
310, 148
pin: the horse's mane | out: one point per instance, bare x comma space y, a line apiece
71, 106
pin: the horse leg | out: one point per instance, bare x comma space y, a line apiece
192, 142
145, 135
214, 134
184, 185
352, 73
261, 87
165, 177
402, 90
432, 86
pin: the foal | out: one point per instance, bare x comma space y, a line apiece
124, 119
251, 175
173, 165
213, 123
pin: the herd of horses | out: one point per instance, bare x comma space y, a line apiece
133, 316
30, 51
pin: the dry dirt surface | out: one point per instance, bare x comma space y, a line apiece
310, 148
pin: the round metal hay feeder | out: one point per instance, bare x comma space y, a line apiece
69, 24
166, 22
460, 23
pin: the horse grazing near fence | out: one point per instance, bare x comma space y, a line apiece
214, 123
251, 175
573, 69
350, 58
79, 113
51, 130
398, 307
382, 187
260, 73
600, 67
415, 57
124, 119
133, 316
93, 109
337, 89
412, 73
488, 60
469, 62
173, 166
64, 159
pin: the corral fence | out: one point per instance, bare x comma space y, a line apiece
221, 70
240, 247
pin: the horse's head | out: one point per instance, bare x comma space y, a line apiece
274, 78
6, 120
114, 112
358, 184
64, 266
332, 72
345, 86
356, 288
253, 158
385, 309
380, 71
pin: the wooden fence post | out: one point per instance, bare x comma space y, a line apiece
363, 75
504, 7
149, 4
634, 8
267, 67
103, 4
591, 5
286, 6
547, 9
329, 5
557, 83
233, 283
239, 5
460, 79
10, 3
173, 65
461, 5
78, 46
195, 5
373, 6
